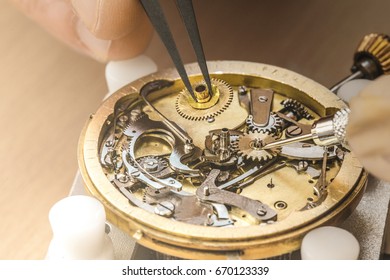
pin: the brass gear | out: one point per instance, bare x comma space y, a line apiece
249, 146
185, 110
297, 108
273, 127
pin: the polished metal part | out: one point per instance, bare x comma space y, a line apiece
304, 151
250, 146
218, 145
151, 181
320, 191
326, 131
258, 210
261, 105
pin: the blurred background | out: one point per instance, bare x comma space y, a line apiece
47, 91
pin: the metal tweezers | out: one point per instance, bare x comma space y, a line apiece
158, 20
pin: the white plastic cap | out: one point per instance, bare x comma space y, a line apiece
351, 89
120, 73
329, 243
78, 224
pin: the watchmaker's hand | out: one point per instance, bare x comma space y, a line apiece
105, 30
368, 130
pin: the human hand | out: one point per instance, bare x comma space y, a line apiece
102, 29
368, 130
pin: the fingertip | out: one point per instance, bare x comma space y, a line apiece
109, 20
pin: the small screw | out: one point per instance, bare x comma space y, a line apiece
263, 99
172, 182
261, 212
165, 209
135, 173
210, 119
242, 90
302, 166
123, 178
294, 130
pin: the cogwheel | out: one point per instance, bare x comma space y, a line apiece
152, 164
296, 108
249, 146
273, 127
222, 98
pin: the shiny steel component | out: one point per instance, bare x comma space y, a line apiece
175, 182
219, 146
261, 105
258, 210
222, 98
273, 126
326, 131
250, 146
305, 151
320, 191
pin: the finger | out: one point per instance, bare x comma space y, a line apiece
113, 29
108, 19
368, 129
378, 166
56, 17
131, 44
59, 18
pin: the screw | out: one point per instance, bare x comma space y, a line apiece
294, 130
206, 191
123, 178
172, 182
261, 211
210, 119
302, 166
263, 99
135, 173
242, 90
165, 209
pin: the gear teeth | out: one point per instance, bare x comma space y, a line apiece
129, 127
274, 125
246, 149
189, 113
296, 107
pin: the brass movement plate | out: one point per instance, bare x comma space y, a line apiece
218, 196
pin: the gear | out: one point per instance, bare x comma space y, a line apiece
224, 94
250, 146
152, 164
273, 127
297, 108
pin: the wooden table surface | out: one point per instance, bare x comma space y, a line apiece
47, 91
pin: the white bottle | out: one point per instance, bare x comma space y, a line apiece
78, 224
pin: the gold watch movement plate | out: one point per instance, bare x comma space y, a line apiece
190, 178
